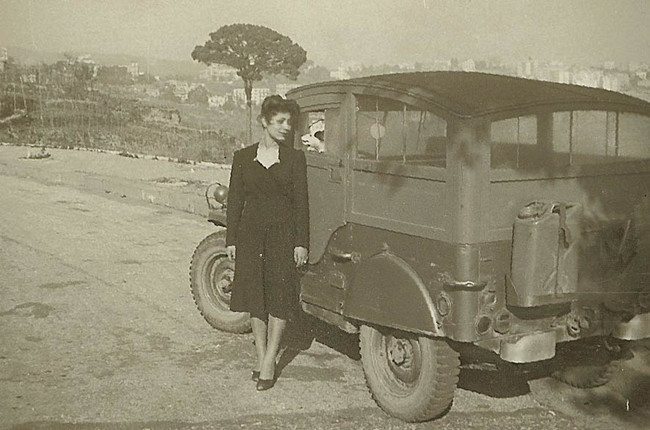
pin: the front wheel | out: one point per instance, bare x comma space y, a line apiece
211, 276
411, 378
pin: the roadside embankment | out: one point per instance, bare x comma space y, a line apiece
159, 181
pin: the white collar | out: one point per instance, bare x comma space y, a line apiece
269, 157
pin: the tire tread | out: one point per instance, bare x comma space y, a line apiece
440, 394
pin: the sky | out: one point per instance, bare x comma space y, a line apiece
335, 31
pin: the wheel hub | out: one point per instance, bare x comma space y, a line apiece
403, 356
400, 352
224, 284
220, 280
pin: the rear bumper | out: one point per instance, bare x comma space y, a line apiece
528, 348
540, 345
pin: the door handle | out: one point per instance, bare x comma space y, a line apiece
335, 174
334, 168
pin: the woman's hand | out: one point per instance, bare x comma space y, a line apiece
230, 250
300, 255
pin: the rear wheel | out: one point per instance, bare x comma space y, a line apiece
211, 276
585, 364
412, 378
585, 376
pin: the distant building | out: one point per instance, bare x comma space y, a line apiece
4, 57
218, 72
553, 72
588, 78
283, 89
526, 69
257, 96
28, 78
351, 66
564, 77
152, 92
609, 65
158, 114
83, 59
622, 81
216, 101
439, 65
339, 74
494, 62
133, 69
635, 67
611, 83
406, 66
181, 89
468, 66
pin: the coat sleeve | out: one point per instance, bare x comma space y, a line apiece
300, 201
235, 200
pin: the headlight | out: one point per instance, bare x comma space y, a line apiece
221, 194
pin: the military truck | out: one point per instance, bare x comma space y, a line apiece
455, 212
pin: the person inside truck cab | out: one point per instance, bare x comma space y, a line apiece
314, 139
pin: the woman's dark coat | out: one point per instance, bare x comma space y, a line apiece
267, 217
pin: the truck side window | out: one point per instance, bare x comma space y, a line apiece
317, 132
514, 142
393, 131
578, 138
600, 137
633, 136
582, 136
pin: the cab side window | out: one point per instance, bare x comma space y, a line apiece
582, 137
577, 138
389, 130
514, 142
633, 137
599, 137
317, 132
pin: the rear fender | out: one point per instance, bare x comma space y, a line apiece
387, 291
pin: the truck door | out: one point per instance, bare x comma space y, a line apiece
320, 136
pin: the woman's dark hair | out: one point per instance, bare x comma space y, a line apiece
275, 104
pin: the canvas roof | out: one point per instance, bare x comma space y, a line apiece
472, 94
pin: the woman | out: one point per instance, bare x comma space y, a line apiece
268, 232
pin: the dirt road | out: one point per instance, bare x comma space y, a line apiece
98, 330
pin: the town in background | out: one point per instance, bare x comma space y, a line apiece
192, 112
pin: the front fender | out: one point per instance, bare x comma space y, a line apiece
387, 291
217, 217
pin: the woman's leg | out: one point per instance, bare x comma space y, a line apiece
259, 333
276, 329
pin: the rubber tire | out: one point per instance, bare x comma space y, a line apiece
214, 308
585, 376
432, 392
587, 363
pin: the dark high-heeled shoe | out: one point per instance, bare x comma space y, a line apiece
265, 384
255, 375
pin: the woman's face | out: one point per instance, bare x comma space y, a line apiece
279, 126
